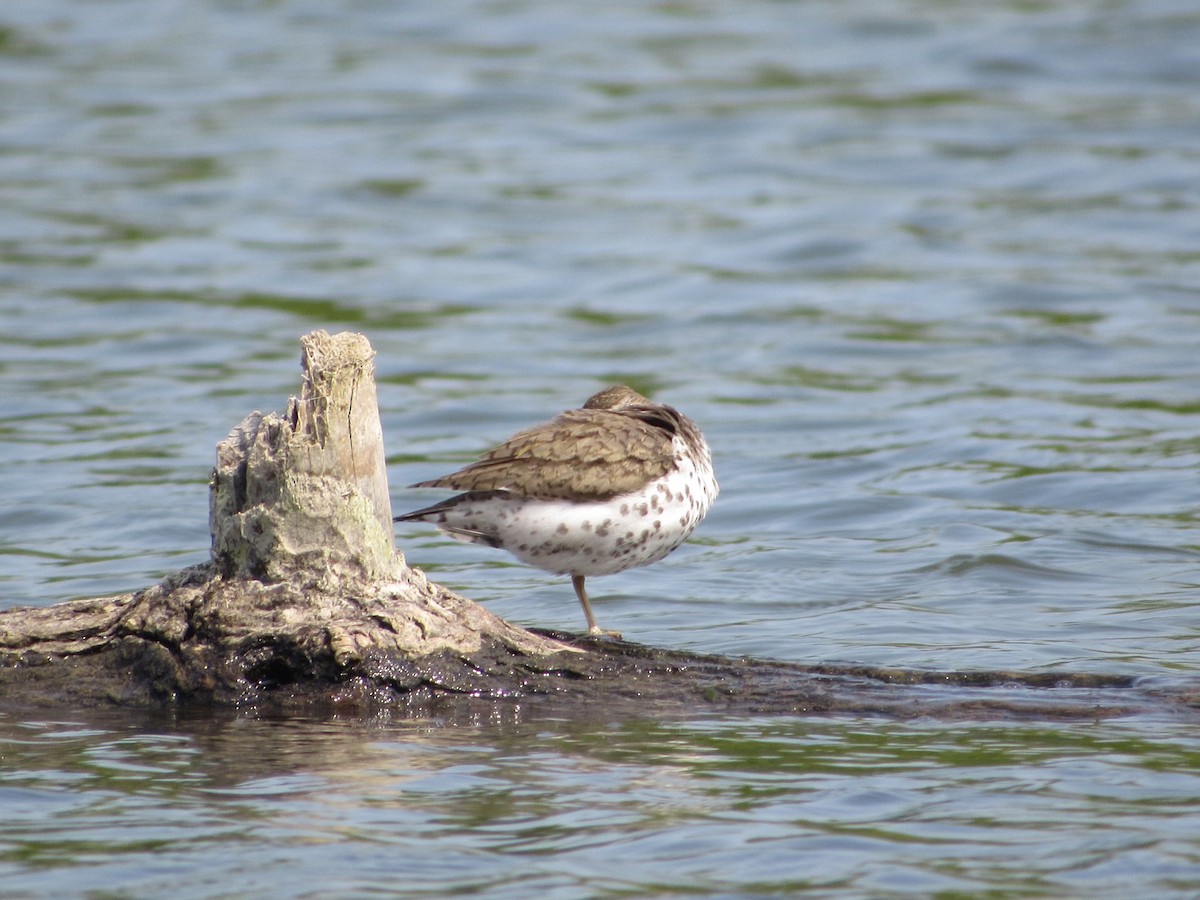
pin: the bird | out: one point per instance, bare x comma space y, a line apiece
617, 483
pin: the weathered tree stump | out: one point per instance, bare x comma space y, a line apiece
305, 602
307, 494
303, 587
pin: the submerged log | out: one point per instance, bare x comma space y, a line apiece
305, 603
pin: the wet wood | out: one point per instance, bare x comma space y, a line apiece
306, 604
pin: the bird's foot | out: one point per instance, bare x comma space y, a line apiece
597, 631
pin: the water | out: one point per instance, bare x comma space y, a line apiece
925, 273
233, 808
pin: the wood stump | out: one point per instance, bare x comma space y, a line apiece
306, 494
304, 590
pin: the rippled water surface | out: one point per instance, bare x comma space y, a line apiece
927, 274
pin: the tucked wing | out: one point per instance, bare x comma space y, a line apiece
583, 454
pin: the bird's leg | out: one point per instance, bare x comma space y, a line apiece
581, 593
593, 628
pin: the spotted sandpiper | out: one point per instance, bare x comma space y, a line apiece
618, 483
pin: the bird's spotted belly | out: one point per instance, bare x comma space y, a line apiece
590, 537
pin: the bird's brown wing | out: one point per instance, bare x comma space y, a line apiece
583, 454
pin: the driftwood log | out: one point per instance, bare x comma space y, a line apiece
305, 603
